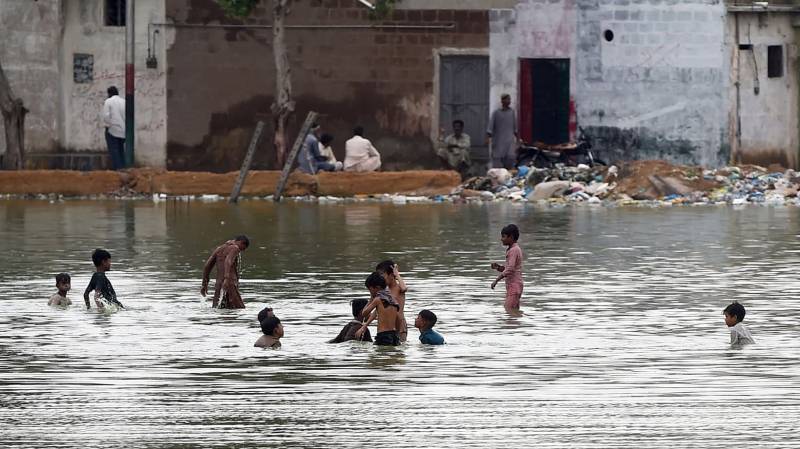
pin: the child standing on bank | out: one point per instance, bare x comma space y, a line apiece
63, 285
100, 284
512, 270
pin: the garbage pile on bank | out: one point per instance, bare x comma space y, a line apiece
650, 183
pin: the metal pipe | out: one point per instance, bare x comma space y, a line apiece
448, 26
130, 123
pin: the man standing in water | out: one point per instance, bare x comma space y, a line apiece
501, 135
226, 258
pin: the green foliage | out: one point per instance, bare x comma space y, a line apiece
238, 8
383, 9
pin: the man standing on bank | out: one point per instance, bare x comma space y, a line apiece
114, 122
502, 135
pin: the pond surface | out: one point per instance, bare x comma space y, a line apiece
622, 343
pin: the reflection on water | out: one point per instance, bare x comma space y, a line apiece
622, 342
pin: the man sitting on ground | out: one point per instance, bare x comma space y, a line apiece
360, 155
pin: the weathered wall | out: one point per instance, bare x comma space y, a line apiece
85, 33
221, 80
29, 45
657, 90
768, 117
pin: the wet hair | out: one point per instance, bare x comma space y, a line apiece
735, 309
62, 278
99, 256
269, 324
358, 131
358, 305
458, 122
264, 314
375, 280
243, 238
428, 316
112, 91
387, 266
325, 139
511, 230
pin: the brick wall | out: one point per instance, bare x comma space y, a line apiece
220, 81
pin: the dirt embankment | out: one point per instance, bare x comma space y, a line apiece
258, 183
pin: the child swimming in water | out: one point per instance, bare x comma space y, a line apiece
388, 312
103, 290
512, 270
397, 287
349, 331
425, 322
740, 334
63, 285
273, 331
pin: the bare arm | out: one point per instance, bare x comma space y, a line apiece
89, 288
369, 309
400, 282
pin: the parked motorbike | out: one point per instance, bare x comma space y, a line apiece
541, 155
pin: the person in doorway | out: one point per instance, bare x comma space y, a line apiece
425, 322
740, 334
272, 330
512, 270
63, 285
226, 259
311, 159
388, 312
502, 135
453, 151
360, 155
104, 294
114, 123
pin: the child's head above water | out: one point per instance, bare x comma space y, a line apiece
387, 266
509, 234
425, 320
272, 326
358, 305
375, 283
101, 259
265, 313
734, 314
63, 282
243, 241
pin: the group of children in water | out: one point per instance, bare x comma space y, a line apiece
387, 300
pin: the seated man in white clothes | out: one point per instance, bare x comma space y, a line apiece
360, 155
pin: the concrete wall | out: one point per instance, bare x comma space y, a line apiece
766, 108
85, 33
29, 49
221, 81
657, 90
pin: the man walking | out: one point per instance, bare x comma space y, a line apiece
502, 135
114, 122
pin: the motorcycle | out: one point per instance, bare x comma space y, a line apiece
541, 155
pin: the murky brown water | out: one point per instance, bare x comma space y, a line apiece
622, 344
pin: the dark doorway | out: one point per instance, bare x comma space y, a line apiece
464, 95
544, 100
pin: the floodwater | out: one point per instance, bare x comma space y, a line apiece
622, 343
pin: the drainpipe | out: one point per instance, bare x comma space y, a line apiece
130, 123
737, 82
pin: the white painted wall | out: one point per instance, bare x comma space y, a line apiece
85, 32
769, 119
29, 44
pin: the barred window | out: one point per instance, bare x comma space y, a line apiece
115, 13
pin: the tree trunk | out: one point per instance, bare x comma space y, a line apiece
13, 113
283, 106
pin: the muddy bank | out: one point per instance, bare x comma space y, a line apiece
258, 183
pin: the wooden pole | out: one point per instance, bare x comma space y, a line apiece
287, 167
248, 159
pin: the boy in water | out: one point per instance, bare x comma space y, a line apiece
425, 322
349, 331
388, 312
512, 270
63, 284
226, 258
734, 314
397, 287
99, 283
273, 331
